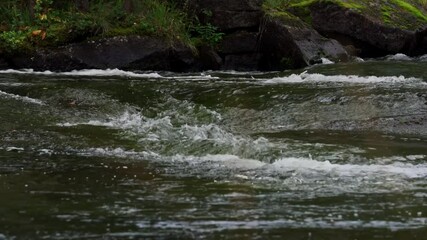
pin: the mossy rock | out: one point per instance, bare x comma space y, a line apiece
403, 14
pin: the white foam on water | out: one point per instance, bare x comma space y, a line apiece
109, 72
221, 160
135, 123
326, 61
116, 152
86, 72
21, 98
14, 84
15, 149
162, 129
304, 165
316, 77
358, 59
399, 57
315, 223
206, 132
307, 168
202, 76
27, 71
126, 120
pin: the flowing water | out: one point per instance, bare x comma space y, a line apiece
334, 151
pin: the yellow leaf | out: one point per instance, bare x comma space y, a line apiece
43, 35
43, 16
36, 32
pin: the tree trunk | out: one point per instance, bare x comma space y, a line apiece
128, 6
30, 5
82, 5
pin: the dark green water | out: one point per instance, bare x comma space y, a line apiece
336, 152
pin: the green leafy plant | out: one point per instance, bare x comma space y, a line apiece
13, 40
53, 23
207, 34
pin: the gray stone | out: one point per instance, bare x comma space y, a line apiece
242, 62
133, 53
3, 64
287, 42
239, 42
332, 18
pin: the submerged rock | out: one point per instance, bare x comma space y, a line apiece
288, 42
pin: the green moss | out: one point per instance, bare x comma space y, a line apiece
386, 12
405, 14
411, 9
303, 4
288, 18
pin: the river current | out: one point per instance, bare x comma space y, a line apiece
336, 151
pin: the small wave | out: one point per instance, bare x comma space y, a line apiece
316, 77
224, 160
305, 168
308, 167
87, 72
125, 121
156, 129
15, 149
202, 76
116, 152
109, 72
303, 165
403, 57
134, 123
307, 223
21, 98
14, 84
358, 59
326, 61
26, 71
399, 57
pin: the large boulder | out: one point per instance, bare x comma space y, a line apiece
287, 42
239, 42
209, 58
133, 53
228, 15
420, 45
331, 18
240, 51
3, 64
242, 62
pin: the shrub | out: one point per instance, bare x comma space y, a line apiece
13, 40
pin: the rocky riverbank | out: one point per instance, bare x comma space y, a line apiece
256, 37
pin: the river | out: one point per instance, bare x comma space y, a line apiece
336, 151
